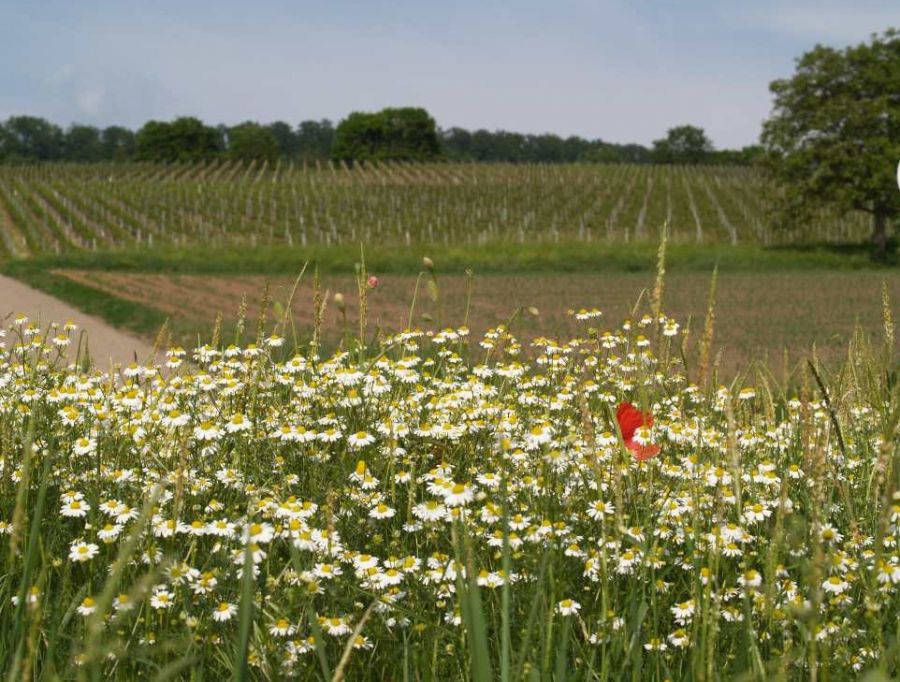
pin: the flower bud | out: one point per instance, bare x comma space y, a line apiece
427, 263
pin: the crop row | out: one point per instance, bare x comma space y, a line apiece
54, 208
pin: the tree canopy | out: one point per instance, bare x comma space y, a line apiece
82, 143
460, 144
28, 138
834, 134
184, 139
684, 144
252, 142
401, 134
118, 143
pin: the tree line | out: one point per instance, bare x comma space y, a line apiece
405, 134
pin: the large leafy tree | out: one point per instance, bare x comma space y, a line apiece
184, 139
82, 143
29, 138
285, 137
250, 141
315, 139
118, 143
834, 134
683, 144
407, 133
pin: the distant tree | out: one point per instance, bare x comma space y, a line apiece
285, 137
456, 144
359, 137
575, 148
184, 139
459, 144
118, 143
28, 138
484, 146
745, 156
547, 148
82, 143
252, 142
389, 134
834, 134
408, 133
315, 139
221, 137
601, 152
683, 144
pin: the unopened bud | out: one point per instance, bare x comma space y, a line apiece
534, 312
427, 263
339, 301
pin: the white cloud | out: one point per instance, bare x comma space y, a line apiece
89, 101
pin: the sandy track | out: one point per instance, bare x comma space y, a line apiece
106, 343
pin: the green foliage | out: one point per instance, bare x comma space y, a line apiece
83, 143
683, 144
745, 156
285, 138
834, 135
459, 144
252, 142
312, 141
28, 138
404, 134
184, 139
492, 258
315, 139
118, 143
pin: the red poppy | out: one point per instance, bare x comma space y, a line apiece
630, 420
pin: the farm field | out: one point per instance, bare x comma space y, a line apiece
760, 315
64, 208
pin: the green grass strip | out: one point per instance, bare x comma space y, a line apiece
119, 312
498, 258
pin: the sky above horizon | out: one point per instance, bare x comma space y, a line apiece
611, 69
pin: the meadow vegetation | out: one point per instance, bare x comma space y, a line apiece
436, 504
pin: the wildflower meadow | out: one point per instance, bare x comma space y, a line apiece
432, 506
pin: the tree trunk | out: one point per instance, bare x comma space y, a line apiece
879, 233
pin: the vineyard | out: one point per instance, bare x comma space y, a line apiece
50, 209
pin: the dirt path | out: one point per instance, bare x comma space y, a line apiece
106, 344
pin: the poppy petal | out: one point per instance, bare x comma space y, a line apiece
642, 452
630, 419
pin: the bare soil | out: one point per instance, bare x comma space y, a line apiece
758, 316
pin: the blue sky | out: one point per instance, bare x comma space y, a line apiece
619, 70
